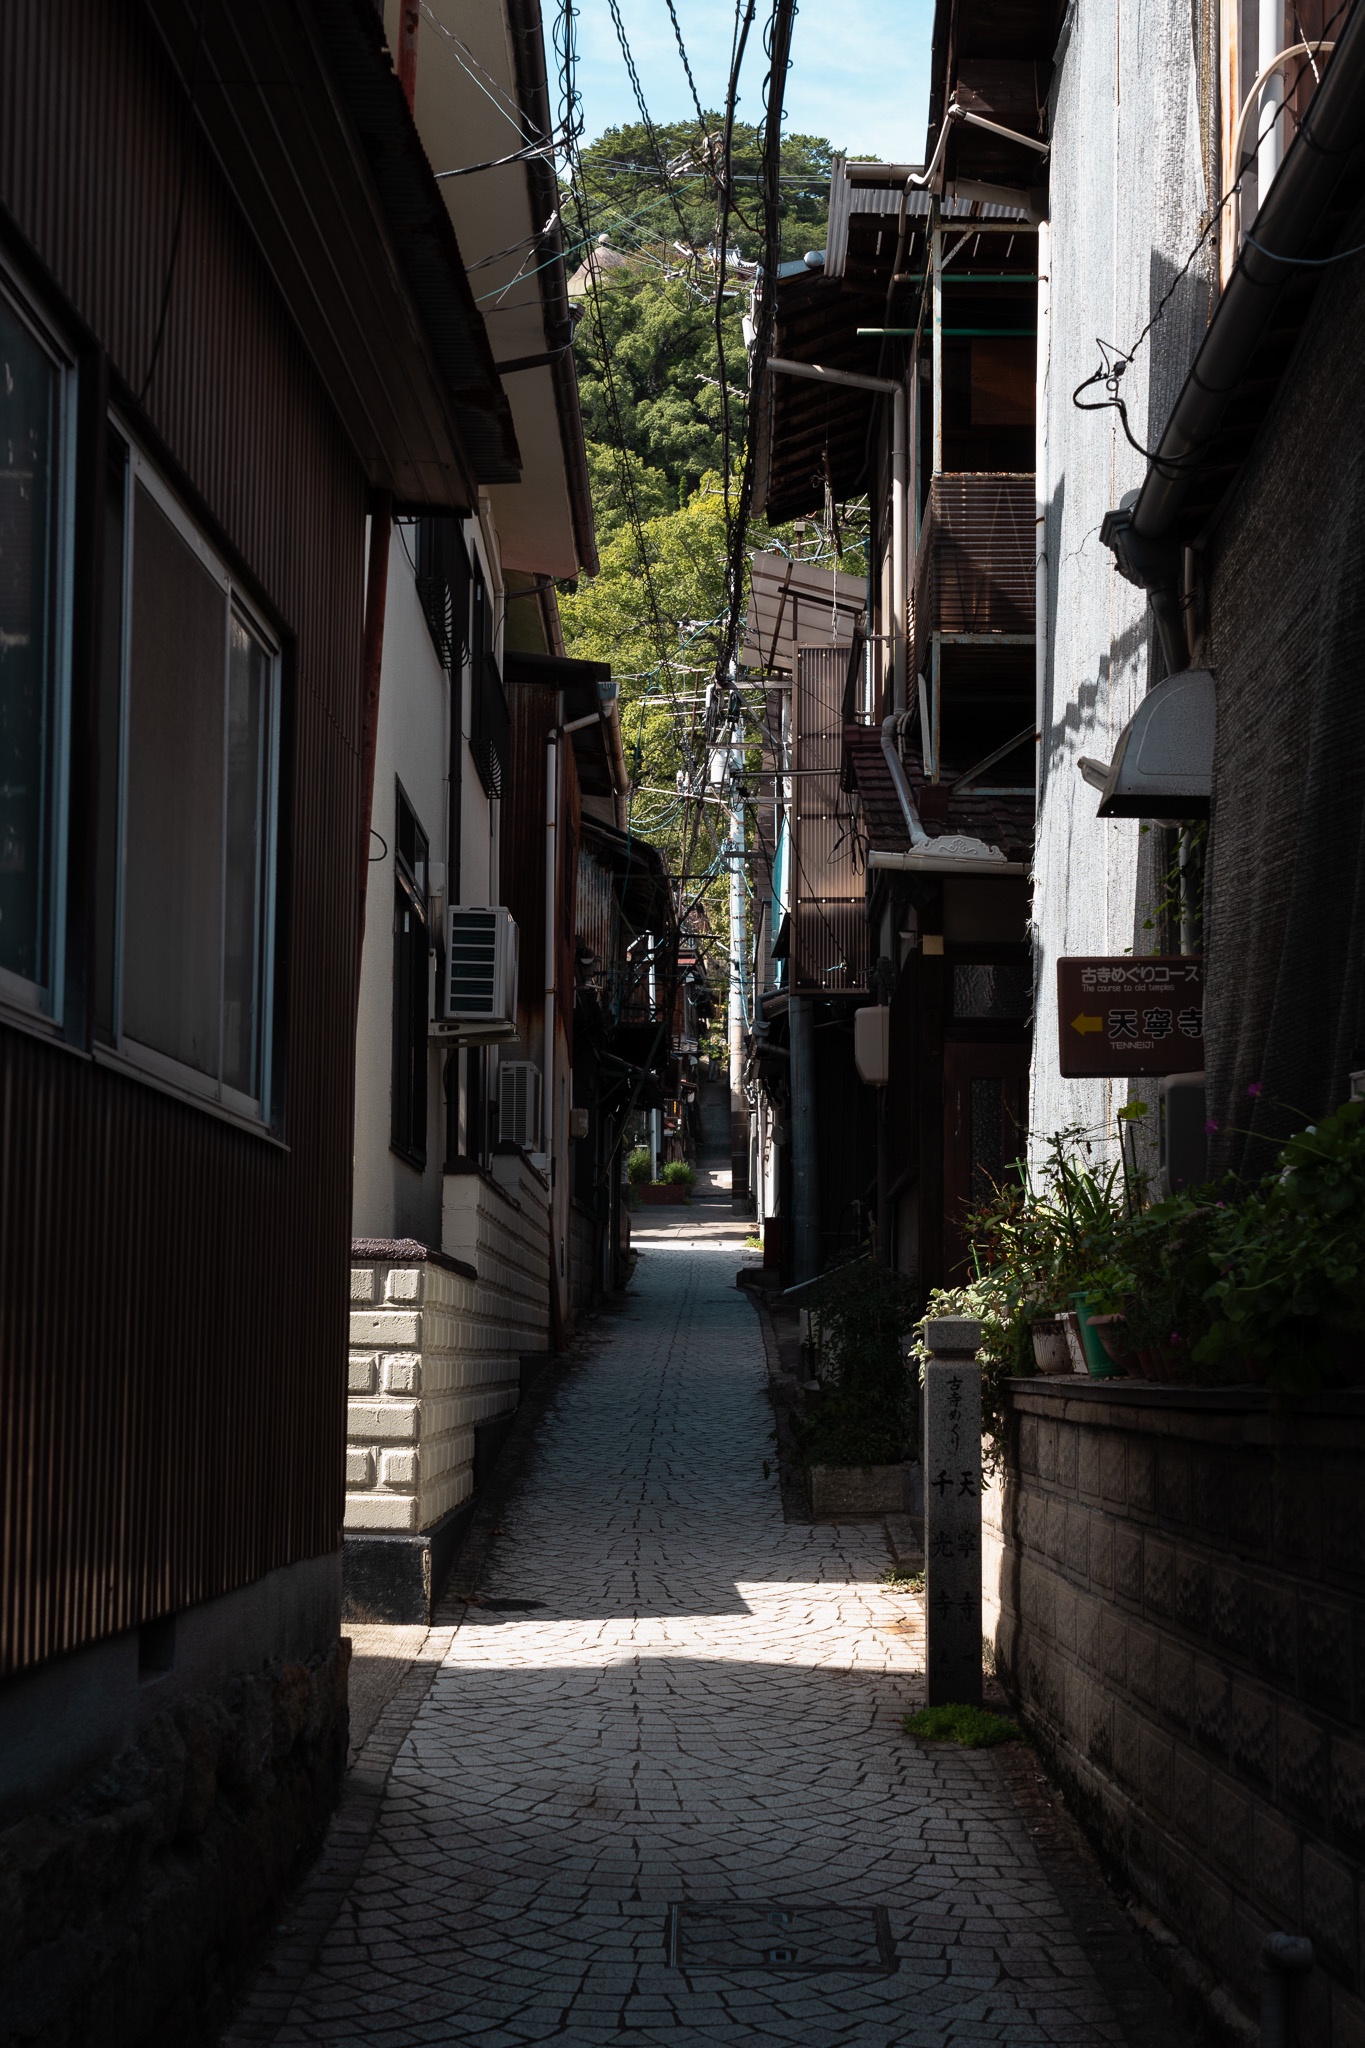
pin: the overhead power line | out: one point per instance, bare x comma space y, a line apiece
779, 59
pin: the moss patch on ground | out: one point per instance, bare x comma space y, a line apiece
973, 1727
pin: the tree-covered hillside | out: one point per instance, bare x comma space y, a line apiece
651, 367
630, 198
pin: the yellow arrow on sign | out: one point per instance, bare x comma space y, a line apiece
1084, 1023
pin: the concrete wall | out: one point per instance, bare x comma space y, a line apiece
392, 1197
585, 1277
1127, 204
436, 1344
1176, 1595
172, 1782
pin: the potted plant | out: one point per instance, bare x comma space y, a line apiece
1051, 1352
638, 1164
673, 1187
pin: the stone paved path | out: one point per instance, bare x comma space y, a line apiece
673, 1698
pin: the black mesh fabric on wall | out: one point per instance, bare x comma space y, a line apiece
1286, 879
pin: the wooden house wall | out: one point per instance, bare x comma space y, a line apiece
173, 1289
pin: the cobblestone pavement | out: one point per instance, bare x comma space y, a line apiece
657, 1791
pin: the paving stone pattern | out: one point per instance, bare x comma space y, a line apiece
673, 1698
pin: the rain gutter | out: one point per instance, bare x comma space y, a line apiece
533, 91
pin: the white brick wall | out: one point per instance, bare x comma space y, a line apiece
434, 1352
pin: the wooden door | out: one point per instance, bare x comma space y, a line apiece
985, 1110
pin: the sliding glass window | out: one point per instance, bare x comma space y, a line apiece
34, 606
189, 926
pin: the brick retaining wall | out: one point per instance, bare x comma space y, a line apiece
436, 1344
1175, 1589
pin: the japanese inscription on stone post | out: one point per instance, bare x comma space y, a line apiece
952, 1513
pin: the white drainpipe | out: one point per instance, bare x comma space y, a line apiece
549, 1106
547, 1091
913, 824
1270, 149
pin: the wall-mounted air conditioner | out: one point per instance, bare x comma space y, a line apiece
479, 986
519, 1104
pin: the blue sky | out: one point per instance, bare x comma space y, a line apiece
859, 75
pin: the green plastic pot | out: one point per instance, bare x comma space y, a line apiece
1101, 1365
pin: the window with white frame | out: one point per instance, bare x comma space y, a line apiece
35, 494
191, 697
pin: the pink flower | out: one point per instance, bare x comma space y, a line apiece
1175, 1336
1256, 1088
1210, 1123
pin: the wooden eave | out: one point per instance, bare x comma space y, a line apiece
300, 104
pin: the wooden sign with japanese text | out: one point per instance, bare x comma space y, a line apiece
1131, 1016
952, 1513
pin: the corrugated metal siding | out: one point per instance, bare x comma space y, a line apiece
597, 915
172, 1291
95, 143
975, 568
829, 923
570, 827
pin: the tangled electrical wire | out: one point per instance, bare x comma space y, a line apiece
777, 41
1115, 362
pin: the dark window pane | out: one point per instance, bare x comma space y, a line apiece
997, 991
110, 730
28, 508
987, 1138
1002, 382
173, 843
248, 751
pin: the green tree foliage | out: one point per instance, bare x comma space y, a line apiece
629, 199
655, 312
613, 619
660, 334
653, 317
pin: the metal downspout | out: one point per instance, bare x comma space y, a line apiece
376, 602
918, 835
894, 389
899, 665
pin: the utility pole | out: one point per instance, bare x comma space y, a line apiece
739, 1107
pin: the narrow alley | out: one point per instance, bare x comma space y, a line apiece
682, 1024
657, 1790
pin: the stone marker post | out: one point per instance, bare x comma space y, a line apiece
952, 1513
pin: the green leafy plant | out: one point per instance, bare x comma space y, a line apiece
973, 1727
679, 1173
638, 1165
904, 1581
1287, 1289
865, 1413
1036, 1241
1215, 1285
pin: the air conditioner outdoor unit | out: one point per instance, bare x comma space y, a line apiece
519, 1104
479, 989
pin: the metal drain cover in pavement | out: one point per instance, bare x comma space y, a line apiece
802, 1939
